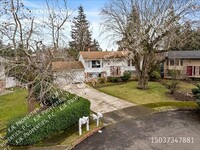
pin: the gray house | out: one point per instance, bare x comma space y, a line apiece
185, 62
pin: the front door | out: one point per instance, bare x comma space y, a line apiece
115, 71
189, 70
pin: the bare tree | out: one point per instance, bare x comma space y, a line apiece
142, 27
58, 15
19, 28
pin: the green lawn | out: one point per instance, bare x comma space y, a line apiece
12, 105
154, 97
183, 86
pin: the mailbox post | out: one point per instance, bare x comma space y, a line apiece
97, 117
83, 120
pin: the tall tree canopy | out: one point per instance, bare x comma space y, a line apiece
188, 37
141, 28
81, 35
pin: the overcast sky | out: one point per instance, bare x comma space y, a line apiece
92, 9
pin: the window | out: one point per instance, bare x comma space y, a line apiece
181, 62
132, 62
177, 62
194, 70
171, 62
129, 62
167, 62
96, 64
199, 70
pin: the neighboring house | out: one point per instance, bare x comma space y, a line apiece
187, 63
105, 63
67, 72
5, 81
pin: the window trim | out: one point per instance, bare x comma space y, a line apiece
96, 65
171, 63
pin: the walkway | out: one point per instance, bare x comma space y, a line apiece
100, 102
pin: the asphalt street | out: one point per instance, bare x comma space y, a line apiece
173, 130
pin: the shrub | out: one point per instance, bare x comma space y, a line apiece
113, 79
126, 76
102, 80
174, 74
42, 125
172, 86
116, 79
155, 75
196, 92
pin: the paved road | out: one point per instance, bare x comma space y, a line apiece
135, 134
100, 102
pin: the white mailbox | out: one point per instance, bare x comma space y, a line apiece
97, 117
83, 120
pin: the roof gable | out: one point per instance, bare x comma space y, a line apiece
102, 54
67, 65
183, 54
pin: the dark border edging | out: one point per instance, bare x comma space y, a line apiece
179, 109
90, 133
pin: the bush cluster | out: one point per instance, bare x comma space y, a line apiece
196, 92
126, 76
32, 129
115, 79
155, 75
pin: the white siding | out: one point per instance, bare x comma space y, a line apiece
66, 77
11, 82
106, 65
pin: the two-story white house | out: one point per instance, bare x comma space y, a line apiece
105, 63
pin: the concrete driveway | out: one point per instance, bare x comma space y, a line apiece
100, 102
137, 134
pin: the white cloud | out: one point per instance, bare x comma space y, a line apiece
33, 5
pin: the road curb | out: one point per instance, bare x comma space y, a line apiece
90, 133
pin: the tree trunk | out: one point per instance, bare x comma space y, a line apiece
31, 99
143, 80
31, 104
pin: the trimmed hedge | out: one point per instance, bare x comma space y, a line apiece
196, 92
34, 128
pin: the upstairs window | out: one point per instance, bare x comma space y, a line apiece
171, 62
96, 64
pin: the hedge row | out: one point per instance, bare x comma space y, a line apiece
37, 127
196, 92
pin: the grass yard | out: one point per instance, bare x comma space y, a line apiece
12, 105
154, 97
183, 86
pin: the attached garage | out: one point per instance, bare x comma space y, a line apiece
66, 72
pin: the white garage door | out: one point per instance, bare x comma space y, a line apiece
67, 78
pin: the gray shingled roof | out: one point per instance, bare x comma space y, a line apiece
183, 54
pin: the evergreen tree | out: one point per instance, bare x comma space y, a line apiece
81, 36
95, 46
